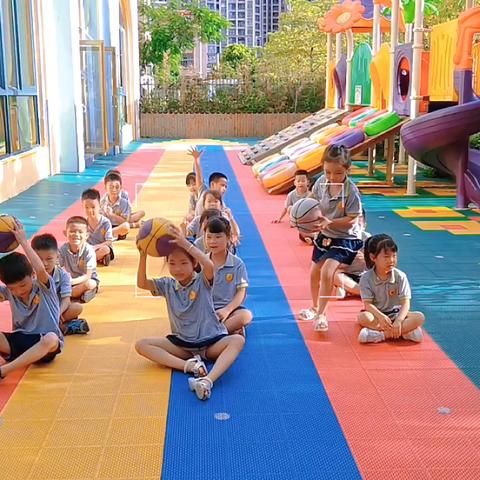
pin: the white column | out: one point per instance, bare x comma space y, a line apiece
338, 55
62, 81
393, 44
350, 51
377, 31
415, 87
408, 33
134, 68
327, 68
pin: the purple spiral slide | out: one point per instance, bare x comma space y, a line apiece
440, 140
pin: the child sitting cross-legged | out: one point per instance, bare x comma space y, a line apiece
195, 184
212, 199
36, 335
204, 218
100, 235
46, 248
386, 295
217, 182
197, 334
231, 279
117, 208
78, 258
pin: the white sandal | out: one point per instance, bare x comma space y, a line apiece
320, 324
195, 366
307, 314
201, 386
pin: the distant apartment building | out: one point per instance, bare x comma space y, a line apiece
251, 23
267, 19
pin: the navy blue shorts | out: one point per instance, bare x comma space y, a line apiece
20, 342
203, 344
392, 314
341, 249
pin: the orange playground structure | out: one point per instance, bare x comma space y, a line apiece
378, 87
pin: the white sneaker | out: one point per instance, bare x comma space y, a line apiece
367, 335
414, 336
320, 323
201, 386
307, 314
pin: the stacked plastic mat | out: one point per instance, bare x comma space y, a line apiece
278, 170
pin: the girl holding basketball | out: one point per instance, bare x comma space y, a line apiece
339, 236
197, 333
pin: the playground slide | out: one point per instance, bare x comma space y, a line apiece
302, 129
440, 140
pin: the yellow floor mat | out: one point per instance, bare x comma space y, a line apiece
455, 228
99, 410
428, 212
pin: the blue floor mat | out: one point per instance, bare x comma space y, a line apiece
48, 198
281, 424
444, 271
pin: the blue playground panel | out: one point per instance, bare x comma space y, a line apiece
281, 423
50, 197
444, 271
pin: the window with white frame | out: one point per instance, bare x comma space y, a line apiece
18, 89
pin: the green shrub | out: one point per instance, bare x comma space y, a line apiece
245, 95
475, 141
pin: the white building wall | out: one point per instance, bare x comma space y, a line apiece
61, 84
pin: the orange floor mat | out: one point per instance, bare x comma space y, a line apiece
99, 410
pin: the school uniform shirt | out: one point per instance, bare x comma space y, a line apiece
124, 194
102, 233
63, 282
41, 314
121, 207
294, 197
190, 308
194, 197
347, 203
228, 279
77, 264
387, 294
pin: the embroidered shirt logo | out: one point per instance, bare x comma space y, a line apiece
229, 277
36, 299
393, 292
81, 264
193, 295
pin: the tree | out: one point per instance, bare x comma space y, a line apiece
447, 10
236, 55
173, 29
298, 48
296, 54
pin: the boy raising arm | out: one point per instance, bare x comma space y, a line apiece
36, 335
